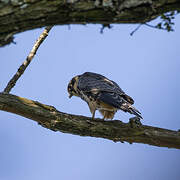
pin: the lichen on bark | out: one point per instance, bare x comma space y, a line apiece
20, 15
117, 131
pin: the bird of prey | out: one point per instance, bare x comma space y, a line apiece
101, 94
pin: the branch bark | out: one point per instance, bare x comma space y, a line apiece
29, 58
49, 117
18, 16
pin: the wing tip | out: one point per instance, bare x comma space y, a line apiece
135, 112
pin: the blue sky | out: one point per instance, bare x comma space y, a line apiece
145, 65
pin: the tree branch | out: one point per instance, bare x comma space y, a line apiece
29, 58
18, 16
49, 117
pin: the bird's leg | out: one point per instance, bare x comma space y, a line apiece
93, 114
104, 117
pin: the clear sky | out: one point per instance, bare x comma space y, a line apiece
145, 65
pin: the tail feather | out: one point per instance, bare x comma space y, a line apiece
134, 111
129, 108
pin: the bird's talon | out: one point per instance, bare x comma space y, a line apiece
135, 122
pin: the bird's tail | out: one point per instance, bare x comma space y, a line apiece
134, 111
129, 108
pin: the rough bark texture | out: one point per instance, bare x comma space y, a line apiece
21, 15
28, 60
50, 118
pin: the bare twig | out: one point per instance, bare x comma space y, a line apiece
105, 26
29, 58
155, 27
135, 29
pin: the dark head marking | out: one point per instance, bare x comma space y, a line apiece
71, 87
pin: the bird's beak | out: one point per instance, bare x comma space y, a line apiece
70, 95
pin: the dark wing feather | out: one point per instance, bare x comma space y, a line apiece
112, 99
128, 98
90, 81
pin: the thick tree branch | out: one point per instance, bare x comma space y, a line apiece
18, 16
29, 58
115, 130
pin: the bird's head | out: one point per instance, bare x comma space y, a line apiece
72, 87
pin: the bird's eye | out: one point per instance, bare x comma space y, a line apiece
70, 88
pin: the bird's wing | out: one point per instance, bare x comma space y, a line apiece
96, 83
118, 102
89, 81
110, 98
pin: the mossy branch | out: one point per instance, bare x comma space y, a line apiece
49, 117
19, 16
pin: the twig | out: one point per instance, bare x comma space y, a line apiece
149, 25
105, 26
135, 29
156, 27
29, 58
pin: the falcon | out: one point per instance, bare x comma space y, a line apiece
101, 94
